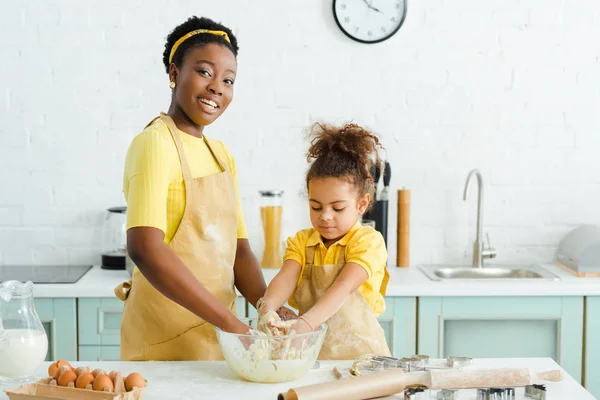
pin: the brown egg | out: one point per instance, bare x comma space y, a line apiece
83, 380
52, 369
66, 377
82, 370
56, 365
97, 372
134, 380
103, 383
113, 376
59, 371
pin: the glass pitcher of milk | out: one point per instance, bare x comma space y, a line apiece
23, 340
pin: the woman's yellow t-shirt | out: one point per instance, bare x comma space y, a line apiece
363, 245
153, 182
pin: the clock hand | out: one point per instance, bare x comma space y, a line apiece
373, 8
370, 6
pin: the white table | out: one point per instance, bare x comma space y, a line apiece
214, 379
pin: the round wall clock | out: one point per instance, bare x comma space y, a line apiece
369, 21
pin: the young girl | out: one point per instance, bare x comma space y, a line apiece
336, 271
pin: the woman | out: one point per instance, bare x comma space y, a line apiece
186, 233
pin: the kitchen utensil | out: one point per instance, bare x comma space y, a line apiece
496, 394
403, 228
114, 238
536, 392
379, 210
271, 211
269, 359
579, 251
459, 362
23, 340
395, 381
370, 363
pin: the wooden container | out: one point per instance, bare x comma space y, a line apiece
403, 231
46, 389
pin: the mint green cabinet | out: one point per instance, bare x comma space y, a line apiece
59, 320
503, 327
99, 353
399, 322
592, 345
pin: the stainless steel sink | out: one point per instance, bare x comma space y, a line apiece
495, 272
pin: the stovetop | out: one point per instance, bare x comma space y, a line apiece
43, 273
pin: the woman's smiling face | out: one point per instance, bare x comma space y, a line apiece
204, 84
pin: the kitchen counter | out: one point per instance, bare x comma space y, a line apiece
214, 380
403, 282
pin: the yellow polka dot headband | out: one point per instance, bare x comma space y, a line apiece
192, 33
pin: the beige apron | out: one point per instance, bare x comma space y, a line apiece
353, 330
156, 328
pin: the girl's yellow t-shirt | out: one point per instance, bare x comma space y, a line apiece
363, 245
153, 182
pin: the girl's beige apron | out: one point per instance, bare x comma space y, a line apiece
353, 330
156, 328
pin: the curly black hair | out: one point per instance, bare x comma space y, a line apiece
192, 24
344, 152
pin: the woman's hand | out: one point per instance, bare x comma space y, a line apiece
286, 314
236, 326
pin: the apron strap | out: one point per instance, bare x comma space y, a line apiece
310, 255
221, 163
342, 257
185, 167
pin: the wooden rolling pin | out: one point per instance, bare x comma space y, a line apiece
394, 381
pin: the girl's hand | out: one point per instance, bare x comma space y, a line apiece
267, 319
296, 326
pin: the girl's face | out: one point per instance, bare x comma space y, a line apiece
204, 84
334, 206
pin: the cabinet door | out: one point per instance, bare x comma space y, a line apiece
99, 353
60, 322
592, 345
399, 322
503, 327
100, 321
240, 307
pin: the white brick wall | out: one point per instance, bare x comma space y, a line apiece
507, 86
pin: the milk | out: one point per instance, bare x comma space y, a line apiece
24, 352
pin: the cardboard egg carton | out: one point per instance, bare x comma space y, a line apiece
47, 388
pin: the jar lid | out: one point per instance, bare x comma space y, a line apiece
271, 193
118, 210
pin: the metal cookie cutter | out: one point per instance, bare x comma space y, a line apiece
459, 362
369, 363
447, 394
537, 392
496, 394
415, 393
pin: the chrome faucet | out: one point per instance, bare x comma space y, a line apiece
479, 251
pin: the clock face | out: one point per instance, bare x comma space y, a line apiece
369, 21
